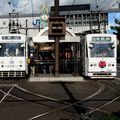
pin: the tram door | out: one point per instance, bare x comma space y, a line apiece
76, 58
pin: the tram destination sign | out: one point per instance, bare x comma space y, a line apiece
11, 37
101, 39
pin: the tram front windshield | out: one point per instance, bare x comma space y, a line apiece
11, 49
101, 50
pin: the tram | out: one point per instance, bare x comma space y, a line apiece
14, 50
98, 55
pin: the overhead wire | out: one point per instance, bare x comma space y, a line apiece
98, 6
10, 4
102, 5
15, 6
73, 2
115, 3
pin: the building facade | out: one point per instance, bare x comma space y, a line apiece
79, 18
28, 24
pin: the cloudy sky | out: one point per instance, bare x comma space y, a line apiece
29, 6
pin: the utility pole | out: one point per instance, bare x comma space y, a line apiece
13, 23
56, 31
90, 20
56, 38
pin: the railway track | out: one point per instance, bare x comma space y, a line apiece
69, 104
61, 105
37, 97
97, 108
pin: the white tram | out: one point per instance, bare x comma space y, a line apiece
98, 55
13, 55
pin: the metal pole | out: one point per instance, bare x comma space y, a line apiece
26, 28
90, 20
56, 14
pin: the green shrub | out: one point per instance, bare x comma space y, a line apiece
111, 117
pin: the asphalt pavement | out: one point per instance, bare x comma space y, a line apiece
58, 98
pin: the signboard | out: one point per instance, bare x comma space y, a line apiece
101, 39
57, 27
72, 7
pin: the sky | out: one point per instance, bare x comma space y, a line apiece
28, 6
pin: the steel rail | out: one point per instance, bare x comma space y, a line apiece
101, 106
7, 93
95, 109
70, 104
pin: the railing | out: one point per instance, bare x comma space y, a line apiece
65, 67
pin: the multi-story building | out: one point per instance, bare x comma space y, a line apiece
28, 24
79, 18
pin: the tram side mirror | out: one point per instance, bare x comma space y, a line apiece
22, 45
91, 46
112, 46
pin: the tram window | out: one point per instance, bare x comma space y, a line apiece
102, 50
91, 46
11, 49
22, 45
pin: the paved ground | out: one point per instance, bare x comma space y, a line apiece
65, 88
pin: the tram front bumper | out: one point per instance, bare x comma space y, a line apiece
102, 75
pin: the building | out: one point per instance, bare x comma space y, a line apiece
79, 18
28, 24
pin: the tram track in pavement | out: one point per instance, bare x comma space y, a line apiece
66, 104
91, 111
69, 104
100, 107
95, 109
30, 97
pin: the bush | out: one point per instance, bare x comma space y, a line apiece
111, 117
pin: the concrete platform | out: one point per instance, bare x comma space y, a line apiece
52, 78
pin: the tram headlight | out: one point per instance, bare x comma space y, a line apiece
109, 65
93, 65
113, 65
20, 62
2, 65
2, 62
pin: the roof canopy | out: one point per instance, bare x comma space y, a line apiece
42, 36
